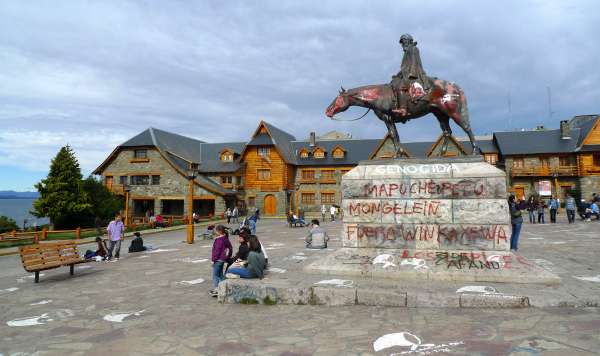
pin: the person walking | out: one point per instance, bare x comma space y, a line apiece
115, 231
531, 209
570, 207
541, 206
221, 253
516, 220
235, 214
332, 212
323, 212
553, 209
228, 215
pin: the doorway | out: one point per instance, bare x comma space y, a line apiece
270, 204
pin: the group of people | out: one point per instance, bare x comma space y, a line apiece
250, 261
333, 211
538, 207
232, 215
116, 234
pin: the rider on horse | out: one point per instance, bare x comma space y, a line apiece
411, 81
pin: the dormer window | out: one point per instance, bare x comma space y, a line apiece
140, 154
227, 156
338, 152
303, 153
319, 153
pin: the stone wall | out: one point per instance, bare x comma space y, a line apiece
172, 185
426, 204
589, 185
259, 196
318, 187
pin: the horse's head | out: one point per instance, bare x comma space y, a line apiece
340, 104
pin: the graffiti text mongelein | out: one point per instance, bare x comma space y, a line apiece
408, 207
464, 188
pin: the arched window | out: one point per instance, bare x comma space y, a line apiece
227, 156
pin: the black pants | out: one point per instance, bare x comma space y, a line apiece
571, 216
228, 219
541, 218
553, 215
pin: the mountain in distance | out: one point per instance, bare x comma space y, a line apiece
11, 194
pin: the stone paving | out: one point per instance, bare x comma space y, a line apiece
158, 303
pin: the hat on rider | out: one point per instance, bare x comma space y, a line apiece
406, 38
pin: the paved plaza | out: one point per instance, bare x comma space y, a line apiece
158, 303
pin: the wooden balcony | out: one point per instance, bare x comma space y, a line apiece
116, 188
562, 171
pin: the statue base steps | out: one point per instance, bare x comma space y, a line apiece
433, 265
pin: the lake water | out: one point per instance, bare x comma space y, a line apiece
18, 210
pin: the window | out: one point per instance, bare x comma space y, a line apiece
308, 198
319, 153
327, 198
327, 174
596, 160
303, 153
338, 153
140, 154
263, 174
226, 179
108, 181
564, 161
518, 163
123, 180
491, 158
264, 151
344, 171
155, 180
251, 201
308, 174
140, 180
544, 162
227, 156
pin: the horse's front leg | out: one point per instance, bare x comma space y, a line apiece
391, 126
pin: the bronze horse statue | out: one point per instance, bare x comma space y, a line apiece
445, 100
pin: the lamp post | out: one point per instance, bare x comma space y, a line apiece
192, 172
127, 189
296, 192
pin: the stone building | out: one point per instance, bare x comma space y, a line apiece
276, 173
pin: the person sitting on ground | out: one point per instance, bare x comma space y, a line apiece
593, 210
256, 262
245, 230
241, 257
221, 252
102, 250
317, 237
137, 244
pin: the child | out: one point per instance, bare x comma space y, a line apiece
221, 252
540, 208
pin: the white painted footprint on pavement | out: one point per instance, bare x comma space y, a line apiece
30, 321
119, 317
477, 289
192, 282
590, 279
337, 282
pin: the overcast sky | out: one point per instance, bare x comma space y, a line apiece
94, 73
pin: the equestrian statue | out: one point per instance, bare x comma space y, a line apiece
410, 95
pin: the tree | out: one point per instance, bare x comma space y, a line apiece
7, 224
104, 204
62, 198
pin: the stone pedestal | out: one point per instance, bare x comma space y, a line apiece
444, 219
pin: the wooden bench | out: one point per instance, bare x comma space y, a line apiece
41, 257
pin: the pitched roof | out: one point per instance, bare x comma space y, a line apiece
210, 157
584, 123
536, 142
356, 150
282, 140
